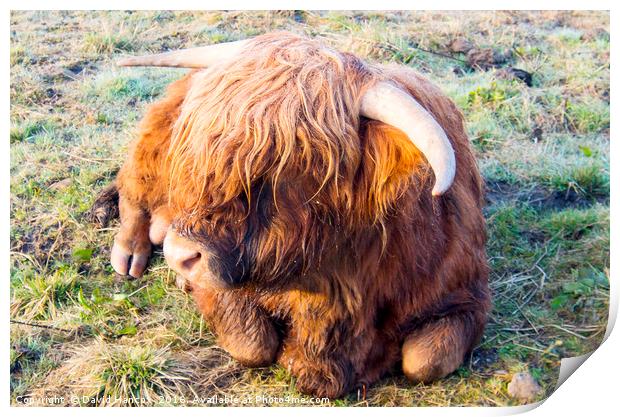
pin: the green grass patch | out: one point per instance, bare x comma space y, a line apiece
41, 297
493, 95
107, 43
589, 181
30, 131
112, 87
31, 360
588, 116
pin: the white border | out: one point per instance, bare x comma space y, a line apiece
592, 390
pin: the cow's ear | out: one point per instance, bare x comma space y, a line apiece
391, 166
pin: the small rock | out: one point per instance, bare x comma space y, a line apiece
61, 185
523, 386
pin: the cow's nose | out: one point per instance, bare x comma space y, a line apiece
182, 255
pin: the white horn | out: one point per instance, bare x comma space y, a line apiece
200, 57
391, 105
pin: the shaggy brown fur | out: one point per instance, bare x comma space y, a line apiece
339, 262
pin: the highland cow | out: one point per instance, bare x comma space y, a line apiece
324, 211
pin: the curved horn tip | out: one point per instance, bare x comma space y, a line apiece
391, 105
442, 185
438, 191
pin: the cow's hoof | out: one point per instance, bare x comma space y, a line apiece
130, 258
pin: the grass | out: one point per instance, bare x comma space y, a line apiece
134, 374
543, 150
42, 296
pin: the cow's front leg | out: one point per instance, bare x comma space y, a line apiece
132, 246
325, 375
242, 328
439, 347
139, 229
323, 353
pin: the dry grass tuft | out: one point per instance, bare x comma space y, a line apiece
104, 374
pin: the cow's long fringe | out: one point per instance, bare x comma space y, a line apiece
288, 108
